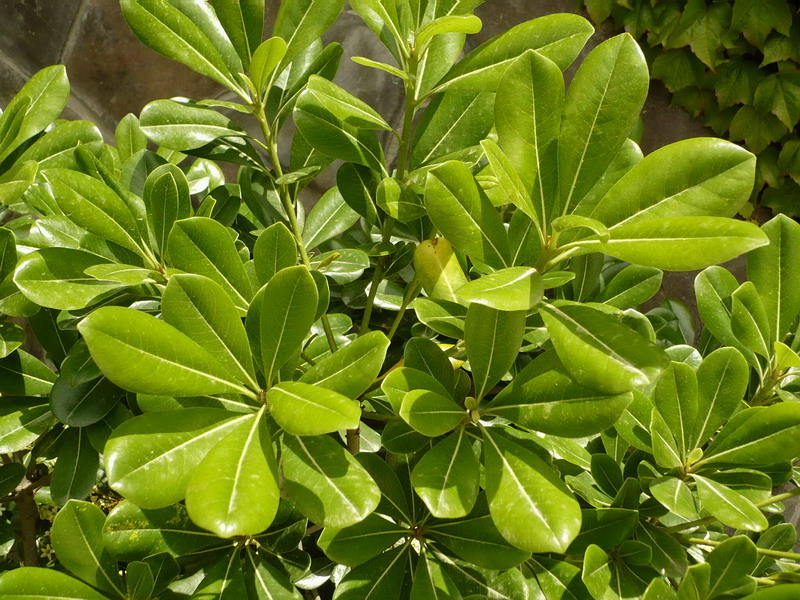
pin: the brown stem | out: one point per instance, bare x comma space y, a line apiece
354, 440
28, 519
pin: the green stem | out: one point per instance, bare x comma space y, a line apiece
762, 551
709, 520
412, 291
403, 152
289, 208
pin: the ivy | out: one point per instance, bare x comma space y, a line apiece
736, 64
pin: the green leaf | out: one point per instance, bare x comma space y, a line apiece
599, 352
139, 578
430, 413
430, 581
83, 404
183, 126
35, 582
730, 507
22, 421
54, 277
678, 69
203, 246
780, 94
530, 505
12, 337
55, 149
605, 527
11, 475
675, 397
382, 577
665, 448
146, 355
267, 579
675, 495
326, 483
131, 533
544, 398
403, 380
758, 130
557, 37
528, 109
275, 249
234, 490
736, 82
448, 24
443, 317
492, 338
691, 178
94, 206
280, 317
606, 579
168, 30
438, 269
22, 374
669, 556
511, 289
341, 104
166, 199
266, 58
731, 562
453, 121
722, 381
762, 436
330, 217
773, 274
75, 473
632, 286
357, 185
201, 309
328, 134
76, 536
680, 243
302, 23
354, 545
462, 212
34, 108
749, 319
757, 18
129, 138
602, 106
352, 368
446, 477
15, 181
243, 21
304, 409
223, 578
141, 455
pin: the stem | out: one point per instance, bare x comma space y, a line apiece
412, 291
707, 520
288, 206
354, 440
407, 133
762, 551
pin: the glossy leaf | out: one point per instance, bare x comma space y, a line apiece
234, 490
675, 397
301, 23
280, 318
461, 211
303, 409
749, 321
166, 198
77, 535
492, 338
730, 507
446, 477
75, 473
722, 381
530, 505
182, 126
141, 455
430, 413
326, 483
438, 269
430, 581
146, 355
243, 21
36, 582
512, 289
83, 404
358, 543
330, 217
599, 352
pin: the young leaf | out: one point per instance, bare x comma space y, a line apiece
166, 199
77, 535
146, 355
675, 397
773, 274
446, 477
492, 338
557, 37
602, 106
722, 380
275, 249
749, 321
266, 59
280, 317
530, 99
530, 505
303, 409
141, 454
234, 490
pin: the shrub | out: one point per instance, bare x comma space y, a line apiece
268, 417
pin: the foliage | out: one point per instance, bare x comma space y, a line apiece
736, 63
243, 394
